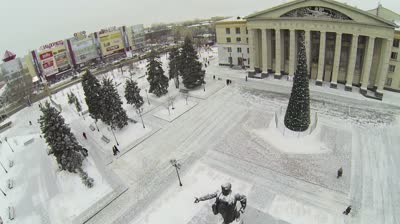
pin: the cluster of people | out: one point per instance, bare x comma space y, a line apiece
228, 81
206, 62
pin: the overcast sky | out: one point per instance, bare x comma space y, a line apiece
28, 24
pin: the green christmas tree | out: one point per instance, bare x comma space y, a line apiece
132, 93
297, 117
174, 65
113, 113
93, 95
62, 143
190, 69
155, 75
71, 98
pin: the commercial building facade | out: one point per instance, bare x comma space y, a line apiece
138, 37
343, 44
82, 49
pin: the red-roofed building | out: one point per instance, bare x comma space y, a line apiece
8, 56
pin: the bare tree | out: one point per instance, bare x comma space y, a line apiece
20, 89
170, 103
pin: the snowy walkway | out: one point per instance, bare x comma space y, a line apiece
287, 188
216, 141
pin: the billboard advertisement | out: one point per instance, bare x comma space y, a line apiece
53, 58
111, 42
47, 63
84, 49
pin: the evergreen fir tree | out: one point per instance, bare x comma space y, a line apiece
113, 113
297, 117
132, 94
174, 65
78, 105
93, 95
155, 75
190, 69
62, 143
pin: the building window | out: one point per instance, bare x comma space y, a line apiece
392, 68
229, 49
238, 39
394, 56
239, 50
388, 82
396, 42
248, 50
237, 30
228, 39
228, 30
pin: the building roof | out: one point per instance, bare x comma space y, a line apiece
333, 2
385, 13
8, 56
232, 20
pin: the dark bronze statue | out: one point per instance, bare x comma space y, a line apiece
225, 204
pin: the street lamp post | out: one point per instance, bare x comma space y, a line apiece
8, 144
177, 166
95, 123
139, 111
3, 167
112, 130
148, 101
3, 192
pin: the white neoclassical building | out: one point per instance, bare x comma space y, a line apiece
343, 44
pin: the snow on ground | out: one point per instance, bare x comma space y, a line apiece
287, 188
309, 144
211, 87
216, 141
42, 193
177, 206
296, 212
170, 112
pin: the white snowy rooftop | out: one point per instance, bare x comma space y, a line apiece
233, 19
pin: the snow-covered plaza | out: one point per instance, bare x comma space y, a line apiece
220, 133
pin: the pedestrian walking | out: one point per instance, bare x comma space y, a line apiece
205, 65
84, 135
208, 62
339, 172
214, 77
115, 150
30, 122
347, 211
227, 81
246, 78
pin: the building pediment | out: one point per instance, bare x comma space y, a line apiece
320, 10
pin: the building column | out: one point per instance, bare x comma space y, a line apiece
307, 44
292, 52
321, 58
264, 51
352, 63
269, 48
336, 60
277, 54
252, 47
384, 66
366, 70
